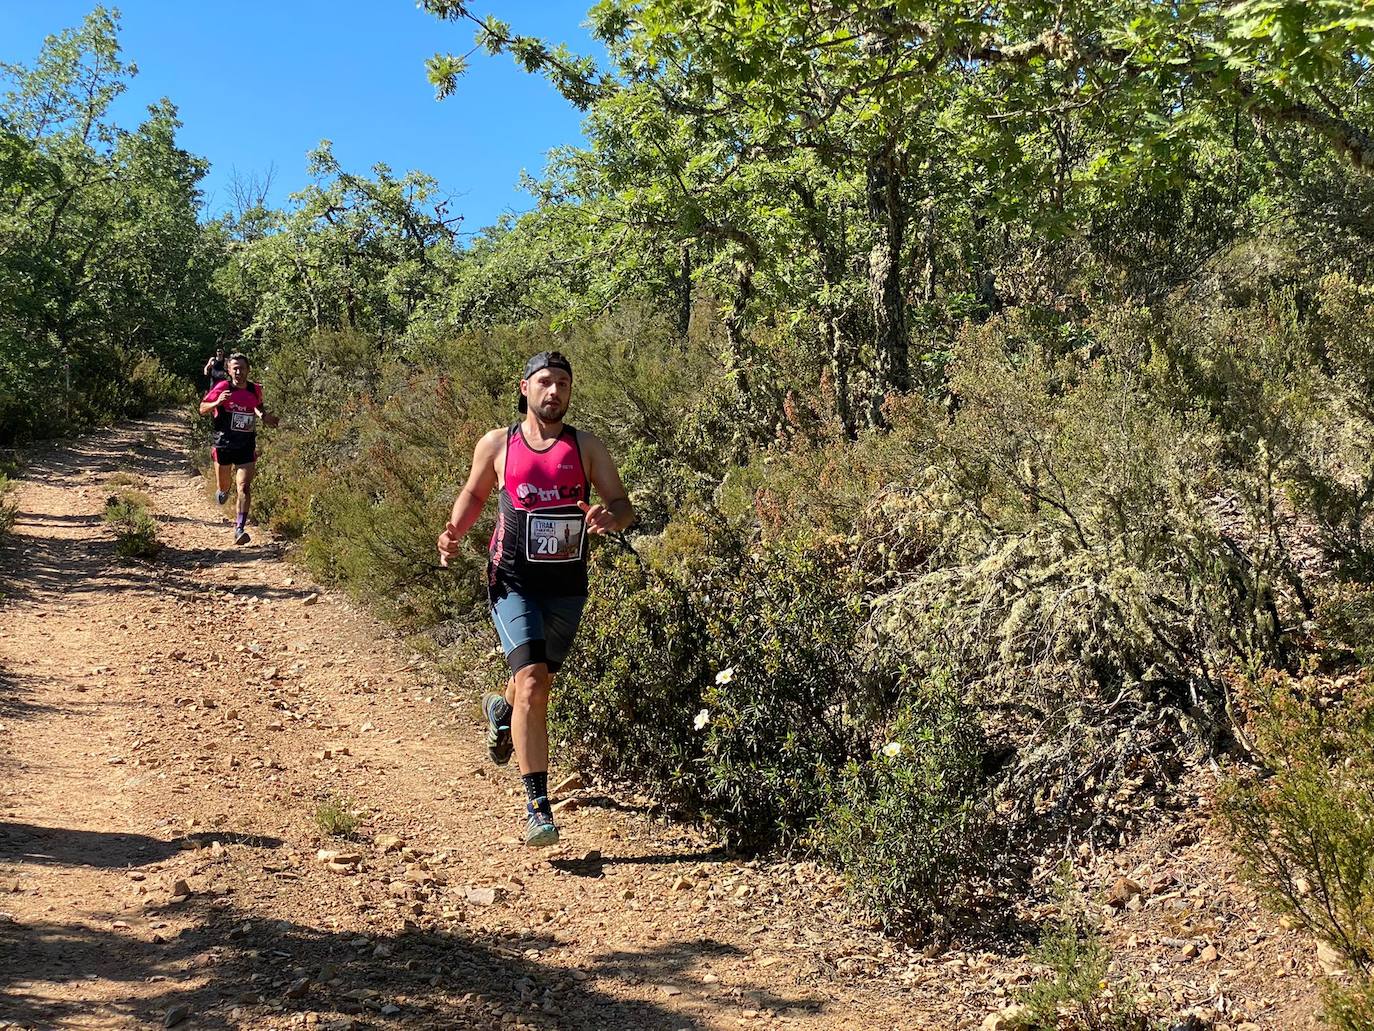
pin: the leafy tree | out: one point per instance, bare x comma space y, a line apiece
104, 268
351, 253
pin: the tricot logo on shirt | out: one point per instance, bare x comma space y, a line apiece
527, 494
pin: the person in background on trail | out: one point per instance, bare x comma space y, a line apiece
215, 367
236, 404
537, 561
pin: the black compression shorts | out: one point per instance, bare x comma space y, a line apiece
234, 455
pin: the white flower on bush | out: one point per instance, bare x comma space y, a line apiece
892, 749
725, 676
702, 719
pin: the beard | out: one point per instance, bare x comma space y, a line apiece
551, 411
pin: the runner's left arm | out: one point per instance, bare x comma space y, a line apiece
614, 512
262, 413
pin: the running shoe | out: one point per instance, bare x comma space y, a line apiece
540, 831
221, 496
497, 711
241, 535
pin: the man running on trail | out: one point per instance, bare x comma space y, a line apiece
215, 367
537, 561
237, 406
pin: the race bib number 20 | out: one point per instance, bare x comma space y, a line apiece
554, 538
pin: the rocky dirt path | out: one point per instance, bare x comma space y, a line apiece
169, 728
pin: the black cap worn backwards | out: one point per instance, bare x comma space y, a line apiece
543, 360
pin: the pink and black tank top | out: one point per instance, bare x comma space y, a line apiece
539, 545
236, 422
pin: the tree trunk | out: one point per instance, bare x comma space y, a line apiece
734, 320
888, 214
682, 289
928, 277
839, 344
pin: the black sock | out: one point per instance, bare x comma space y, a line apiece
537, 787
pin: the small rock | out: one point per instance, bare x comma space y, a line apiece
388, 842
297, 989
176, 1015
1209, 954
569, 783
180, 887
682, 884
567, 805
1332, 960
670, 989
1189, 951
1123, 891
485, 896
1011, 1018
310, 599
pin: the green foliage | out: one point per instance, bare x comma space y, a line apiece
8, 510
1304, 824
1075, 995
907, 824
135, 529
1057, 556
352, 254
336, 816
104, 268
1349, 1007
693, 677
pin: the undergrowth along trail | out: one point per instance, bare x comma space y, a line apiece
177, 731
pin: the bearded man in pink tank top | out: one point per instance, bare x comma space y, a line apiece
544, 471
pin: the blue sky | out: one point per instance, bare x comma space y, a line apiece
260, 83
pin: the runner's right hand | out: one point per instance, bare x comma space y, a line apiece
448, 545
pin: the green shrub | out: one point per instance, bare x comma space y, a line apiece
1057, 556
1304, 823
1349, 1007
722, 676
907, 825
1076, 994
336, 816
134, 527
8, 510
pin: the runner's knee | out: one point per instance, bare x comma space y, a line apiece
532, 685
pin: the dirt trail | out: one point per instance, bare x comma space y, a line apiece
179, 720
168, 728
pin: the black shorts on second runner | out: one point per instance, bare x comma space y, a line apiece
234, 455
